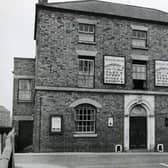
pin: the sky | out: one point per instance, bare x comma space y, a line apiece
16, 36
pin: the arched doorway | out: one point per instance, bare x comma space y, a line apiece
138, 127
147, 108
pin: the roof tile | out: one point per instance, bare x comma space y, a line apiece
109, 8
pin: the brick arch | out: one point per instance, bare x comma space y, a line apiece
85, 101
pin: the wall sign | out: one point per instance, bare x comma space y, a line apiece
161, 73
114, 70
110, 121
56, 124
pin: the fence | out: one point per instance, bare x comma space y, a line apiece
6, 148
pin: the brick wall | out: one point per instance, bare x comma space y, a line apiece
58, 103
23, 68
57, 65
57, 42
161, 112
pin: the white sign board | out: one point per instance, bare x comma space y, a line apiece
55, 124
114, 70
161, 73
110, 121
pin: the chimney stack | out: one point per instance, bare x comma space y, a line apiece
42, 1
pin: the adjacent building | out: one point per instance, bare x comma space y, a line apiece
5, 125
98, 82
5, 117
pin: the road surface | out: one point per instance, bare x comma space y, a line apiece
92, 160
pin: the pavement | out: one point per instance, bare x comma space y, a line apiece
91, 160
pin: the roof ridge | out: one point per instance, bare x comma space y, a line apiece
124, 4
73, 1
103, 1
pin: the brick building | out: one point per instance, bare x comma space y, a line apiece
5, 117
98, 82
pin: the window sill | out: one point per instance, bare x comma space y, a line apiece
87, 42
83, 135
140, 48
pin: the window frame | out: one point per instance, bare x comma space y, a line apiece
91, 74
19, 90
81, 107
87, 32
144, 81
140, 38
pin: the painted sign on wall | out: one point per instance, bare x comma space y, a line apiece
161, 73
55, 124
114, 70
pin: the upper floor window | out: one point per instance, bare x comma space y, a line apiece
85, 118
86, 32
166, 122
86, 72
139, 38
25, 90
139, 74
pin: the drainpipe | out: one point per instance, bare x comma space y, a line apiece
40, 123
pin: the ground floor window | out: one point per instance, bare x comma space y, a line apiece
85, 118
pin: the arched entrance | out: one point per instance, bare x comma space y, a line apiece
139, 119
138, 128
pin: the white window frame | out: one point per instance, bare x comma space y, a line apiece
86, 72
136, 36
139, 71
89, 68
82, 119
142, 29
22, 91
85, 31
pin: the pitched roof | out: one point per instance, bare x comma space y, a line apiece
115, 9
3, 109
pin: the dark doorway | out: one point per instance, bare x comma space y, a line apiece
138, 132
24, 140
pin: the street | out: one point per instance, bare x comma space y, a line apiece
92, 160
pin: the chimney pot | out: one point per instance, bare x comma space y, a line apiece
42, 1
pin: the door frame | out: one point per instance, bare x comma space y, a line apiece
147, 102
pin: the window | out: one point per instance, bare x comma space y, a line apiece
55, 124
166, 122
86, 32
139, 38
85, 119
139, 74
25, 90
86, 72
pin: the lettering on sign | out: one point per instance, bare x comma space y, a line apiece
114, 70
161, 73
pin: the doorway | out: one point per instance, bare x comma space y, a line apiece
24, 140
138, 132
